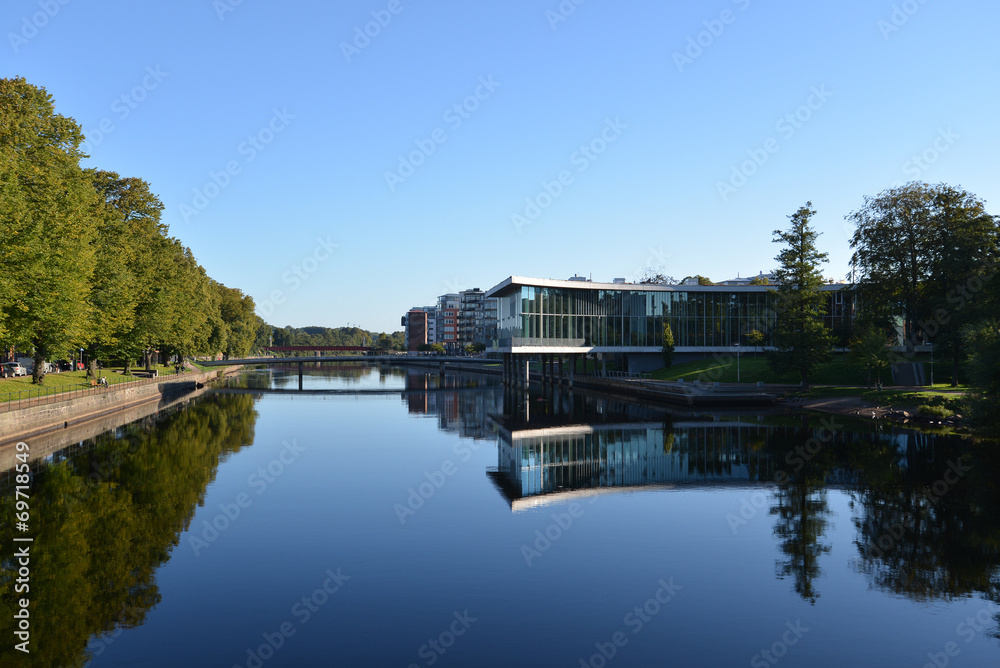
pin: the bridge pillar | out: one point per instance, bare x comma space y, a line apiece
441, 374
300, 375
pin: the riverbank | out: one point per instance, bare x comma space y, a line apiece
71, 409
914, 406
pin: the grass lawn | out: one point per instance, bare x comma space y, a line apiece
65, 381
838, 371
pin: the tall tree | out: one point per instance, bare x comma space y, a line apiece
801, 340
47, 224
668, 345
122, 277
964, 257
891, 256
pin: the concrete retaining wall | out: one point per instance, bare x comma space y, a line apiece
24, 423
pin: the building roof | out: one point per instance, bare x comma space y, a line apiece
513, 283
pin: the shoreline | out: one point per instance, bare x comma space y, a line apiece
58, 414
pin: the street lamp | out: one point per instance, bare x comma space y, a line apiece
81, 358
737, 361
931, 346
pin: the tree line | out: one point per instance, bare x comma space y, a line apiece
327, 336
87, 262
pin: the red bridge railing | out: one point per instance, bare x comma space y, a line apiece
296, 349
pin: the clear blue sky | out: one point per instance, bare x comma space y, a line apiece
667, 120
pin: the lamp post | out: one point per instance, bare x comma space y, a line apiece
737, 361
81, 358
931, 346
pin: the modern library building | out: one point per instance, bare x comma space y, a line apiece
578, 316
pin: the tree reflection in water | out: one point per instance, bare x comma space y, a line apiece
801, 503
104, 519
927, 515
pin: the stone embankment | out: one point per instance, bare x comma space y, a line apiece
58, 412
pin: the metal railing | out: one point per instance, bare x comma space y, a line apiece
13, 401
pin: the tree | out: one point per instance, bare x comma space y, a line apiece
925, 252
760, 280
47, 224
129, 222
891, 256
870, 351
965, 251
668, 346
801, 339
655, 276
756, 338
702, 280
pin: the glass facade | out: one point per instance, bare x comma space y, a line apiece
616, 318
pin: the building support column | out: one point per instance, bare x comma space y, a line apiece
572, 369
300, 375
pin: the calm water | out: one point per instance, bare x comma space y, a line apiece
394, 522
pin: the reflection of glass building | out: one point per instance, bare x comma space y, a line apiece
537, 466
578, 316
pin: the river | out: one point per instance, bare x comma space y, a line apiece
381, 518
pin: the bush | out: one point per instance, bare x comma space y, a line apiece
935, 410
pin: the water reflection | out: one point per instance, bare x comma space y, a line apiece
106, 514
926, 507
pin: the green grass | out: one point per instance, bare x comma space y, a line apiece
66, 381
838, 371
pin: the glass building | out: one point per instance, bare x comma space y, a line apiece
578, 316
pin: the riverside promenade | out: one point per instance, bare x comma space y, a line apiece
29, 418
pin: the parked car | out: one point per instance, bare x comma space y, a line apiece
12, 369
64, 365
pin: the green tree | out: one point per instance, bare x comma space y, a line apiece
702, 280
965, 252
870, 351
760, 280
800, 338
892, 256
47, 224
668, 346
756, 339
926, 252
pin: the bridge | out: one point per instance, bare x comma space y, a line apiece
438, 361
317, 349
